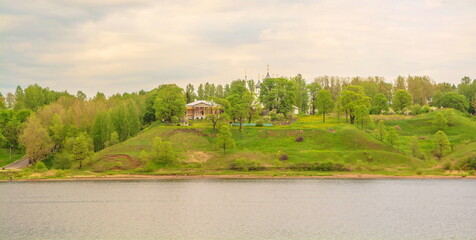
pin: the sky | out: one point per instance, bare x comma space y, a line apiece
127, 45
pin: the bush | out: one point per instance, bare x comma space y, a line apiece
416, 109
468, 164
446, 165
290, 116
317, 166
300, 139
279, 117
272, 114
425, 109
283, 157
259, 123
62, 161
40, 166
246, 165
266, 119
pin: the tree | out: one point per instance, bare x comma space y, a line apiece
57, 131
102, 129
314, 89
201, 92
362, 116
441, 144
190, 93
3, 140
163, 152
381, 130
36, 140
351, 97
217, 115
392, 137
401, 100
170, 102
324, 103
239, 107
114, 139
379, 104
224, 139
81, 95
62, 160
82, 148
440, 122
301, 95
452, 100
279, 94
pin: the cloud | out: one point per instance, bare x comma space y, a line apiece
124, 45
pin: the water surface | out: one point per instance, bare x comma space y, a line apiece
240, 209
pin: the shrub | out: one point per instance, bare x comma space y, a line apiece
190, 122
468, 164
272, 114
283, 157
174, 119
266, 119
62, 161
40, 166
242, 164
446, 165
416, 109
279, 117
317, 166
290, 116
300, 139
425, 109
259, 123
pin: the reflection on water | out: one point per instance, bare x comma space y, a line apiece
239, 209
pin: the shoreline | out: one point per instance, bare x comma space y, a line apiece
127, 177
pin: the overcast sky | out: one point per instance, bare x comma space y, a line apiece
127, 45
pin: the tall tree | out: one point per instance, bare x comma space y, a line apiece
102, 130
201, 92
314, 89
401, 100
170, 102
351, 97
324, 103
392, 137
36, 140
302, 94
379, 104
190, 93
440, 122
381, 130
278, 94
362, 116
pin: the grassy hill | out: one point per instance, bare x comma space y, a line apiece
333, 141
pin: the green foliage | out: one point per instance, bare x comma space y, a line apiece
401, 100
362, 116
314, 89
82, 148
224, 139
379, 104
416, 109
324, 103
246, 165
468, 163
351, 97
382, 132
280, 117
40, 166
62, 160
162, 152
301, 95
170, 102
452, 100
441, 144
36, 140
102, 129
113, 139
279, 94
392, 137
318, 166
440, 122
415, 148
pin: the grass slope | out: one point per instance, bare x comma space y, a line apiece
336, 141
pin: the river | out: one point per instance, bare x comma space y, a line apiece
240, 209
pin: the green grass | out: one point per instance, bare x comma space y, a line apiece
5, 156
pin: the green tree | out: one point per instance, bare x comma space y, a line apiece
401, 100
3, 140
170, 102
362, 116
190, 93
440, 122
393, 137
324, 103
224, 139
201, 92
113, 139
82, 149
102, 129
314, 89
279, 94
382, 132
351, 97
36, 140
441, 144
302, 94
379, 104
57, 131
62, 160
217, 116
452, 100
415, 147
239, 106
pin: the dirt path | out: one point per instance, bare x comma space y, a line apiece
19, 164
